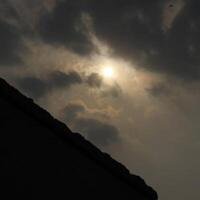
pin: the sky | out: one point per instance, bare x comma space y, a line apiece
123, 73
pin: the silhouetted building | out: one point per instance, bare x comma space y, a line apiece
40, 158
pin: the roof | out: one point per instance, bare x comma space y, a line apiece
26, 105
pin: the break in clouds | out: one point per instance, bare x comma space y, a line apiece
147, 114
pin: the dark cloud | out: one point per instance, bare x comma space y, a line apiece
137, 34
158, 89
131, 28
101, 133
97, 131
112, 91
35, 87
71, 111
179, 55
7, 11
94, 80
134, 30
10, 44
63, 27
58, 79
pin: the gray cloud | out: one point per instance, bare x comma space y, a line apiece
63, 27
171, 10
94, 80
71, 111
10, 44
158, 89
33, 87
138, 36
58, 79
113, 91
100, 132
36, 87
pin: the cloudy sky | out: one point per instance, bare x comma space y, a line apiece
124, 73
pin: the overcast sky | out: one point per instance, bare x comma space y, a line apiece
124, 73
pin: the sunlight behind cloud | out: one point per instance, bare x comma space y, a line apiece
108, 72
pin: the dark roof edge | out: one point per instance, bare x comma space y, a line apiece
27, 105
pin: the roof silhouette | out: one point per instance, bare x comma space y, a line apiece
27, 106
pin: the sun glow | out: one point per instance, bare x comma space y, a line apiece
108, 72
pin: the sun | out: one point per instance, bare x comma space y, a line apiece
108, 72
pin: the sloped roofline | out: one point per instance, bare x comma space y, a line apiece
26, 105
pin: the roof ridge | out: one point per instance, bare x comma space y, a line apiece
28, 106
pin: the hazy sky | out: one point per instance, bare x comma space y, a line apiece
124, 73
